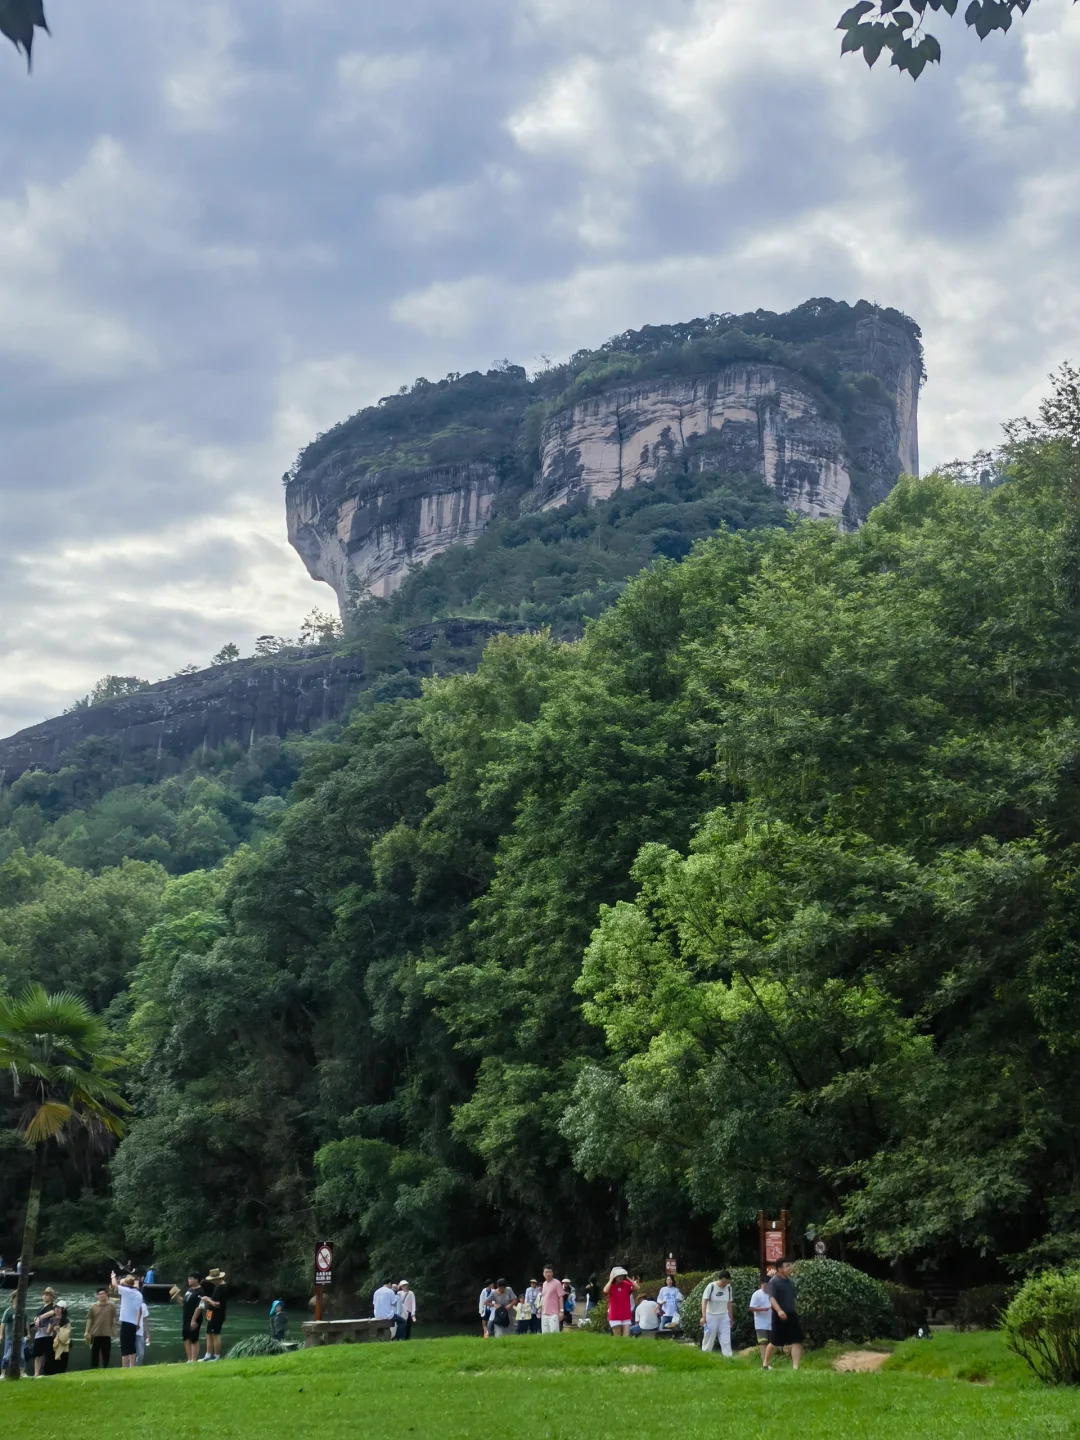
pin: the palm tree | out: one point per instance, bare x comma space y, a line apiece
59, 1056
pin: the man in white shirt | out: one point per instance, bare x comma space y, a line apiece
761, 1309
406, 1312
716, 1314
130, 1304
646, 1317
669, 1299
384, 1303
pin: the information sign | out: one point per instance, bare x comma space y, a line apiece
670, 1267
820, 1247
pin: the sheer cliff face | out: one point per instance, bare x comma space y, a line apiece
831, 434
759, 418
367, 540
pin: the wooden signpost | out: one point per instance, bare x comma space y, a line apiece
324, 1273
670, 1266
773, 1237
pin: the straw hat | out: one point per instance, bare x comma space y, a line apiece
174, 1291
617, 1270
47, 1292
217, 1276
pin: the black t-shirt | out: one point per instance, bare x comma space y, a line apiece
220, 1298
191, 1304
783, 1292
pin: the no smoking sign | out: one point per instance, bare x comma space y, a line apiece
324, 1263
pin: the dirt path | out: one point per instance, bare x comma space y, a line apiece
860, 1360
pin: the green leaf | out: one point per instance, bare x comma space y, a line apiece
852, 17
903, 21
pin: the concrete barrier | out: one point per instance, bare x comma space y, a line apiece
348, 1332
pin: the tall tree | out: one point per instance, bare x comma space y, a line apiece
59, 1056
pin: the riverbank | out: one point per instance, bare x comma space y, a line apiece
558, 1386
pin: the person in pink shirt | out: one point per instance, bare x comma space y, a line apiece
551, 1303
620, 1292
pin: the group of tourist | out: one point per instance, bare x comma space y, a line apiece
396, 1303
549, 1306
119, 1312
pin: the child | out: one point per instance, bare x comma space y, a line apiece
761, 1309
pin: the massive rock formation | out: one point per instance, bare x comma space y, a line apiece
238, 703
830, 425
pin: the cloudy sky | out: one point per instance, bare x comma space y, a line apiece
227, 224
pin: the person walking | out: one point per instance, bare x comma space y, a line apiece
100, 1330
130, 1305
62, 1341
716, 1314
216, 1304
485, 1307
620, 1292
550, 1303
786, 1325
669, 1298
502, 1301
592, 1294
406, 1311
761, 1309
533, 1298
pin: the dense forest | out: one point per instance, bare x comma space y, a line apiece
760, 892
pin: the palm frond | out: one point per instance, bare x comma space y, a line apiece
47, 1122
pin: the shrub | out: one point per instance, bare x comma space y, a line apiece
256, 1347
1042, 1325
910, 1308
839, 1302
836, 1302
982, 1307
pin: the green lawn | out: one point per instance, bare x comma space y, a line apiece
545, 1387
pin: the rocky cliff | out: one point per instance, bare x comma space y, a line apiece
238, 703
821, 403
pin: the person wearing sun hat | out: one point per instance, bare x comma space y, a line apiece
620, 1292
216, 1305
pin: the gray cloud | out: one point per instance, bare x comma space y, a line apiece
224, 228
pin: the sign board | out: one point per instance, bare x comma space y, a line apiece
820, 1247
324, 1264
773, 1237
774, 1246
670, 1267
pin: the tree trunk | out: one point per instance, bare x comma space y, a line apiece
30, 1229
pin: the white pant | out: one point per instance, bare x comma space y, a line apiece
717, 1327
549, 1324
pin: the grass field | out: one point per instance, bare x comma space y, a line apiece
547, 1388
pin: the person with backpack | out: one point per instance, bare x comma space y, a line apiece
502, 1301
569, 1304
716, 1314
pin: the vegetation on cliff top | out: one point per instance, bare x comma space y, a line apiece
495, 418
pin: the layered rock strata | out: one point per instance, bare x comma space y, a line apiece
361, 528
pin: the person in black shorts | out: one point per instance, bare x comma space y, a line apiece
46, 1324
192, 1312
216, 1304
786, 1325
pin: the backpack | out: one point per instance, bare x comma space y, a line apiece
501, 1317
